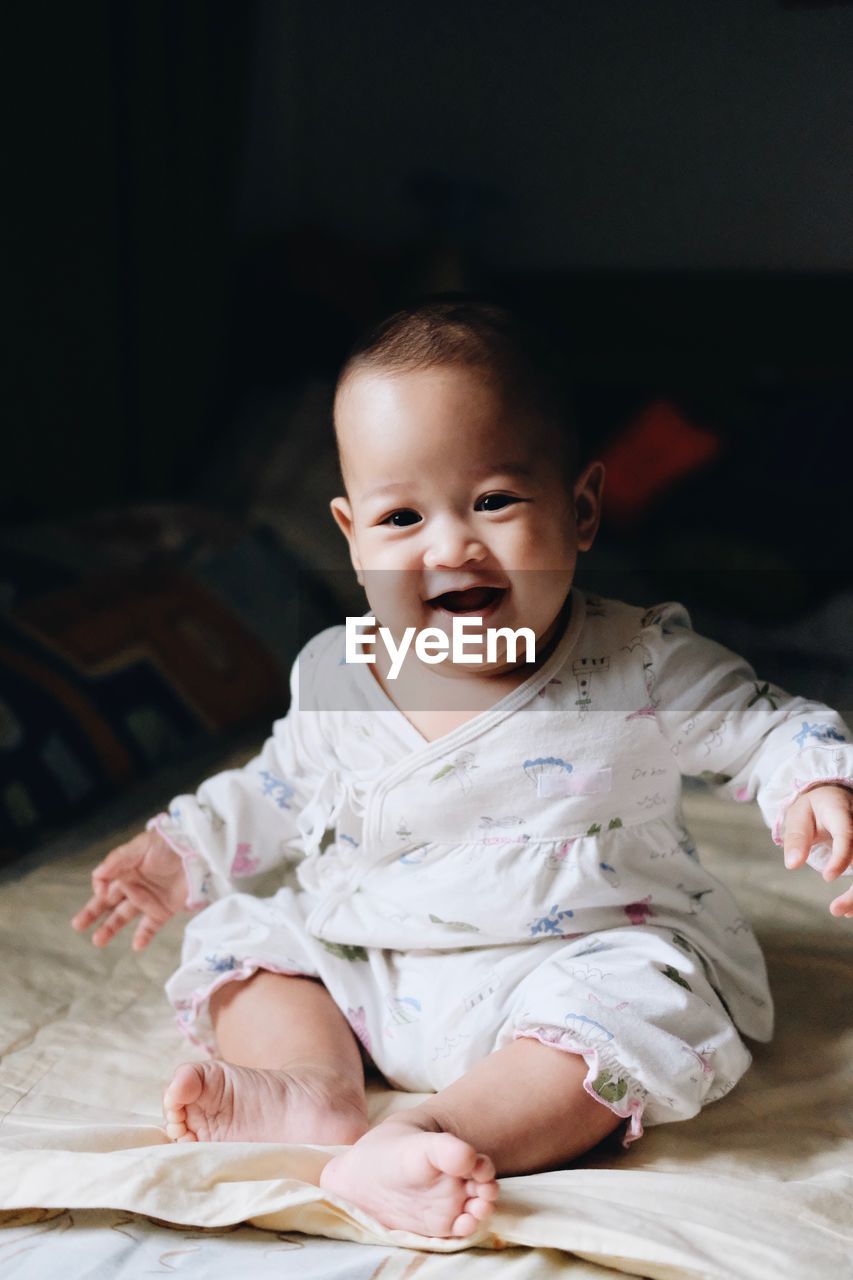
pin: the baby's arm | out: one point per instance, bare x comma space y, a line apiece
750, 738
244, 822
239, 824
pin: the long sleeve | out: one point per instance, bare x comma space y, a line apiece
244, 822
745, 736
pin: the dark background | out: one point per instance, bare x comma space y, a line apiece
213, 196
209, 200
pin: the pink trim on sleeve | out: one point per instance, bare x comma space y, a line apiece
190, 860
800, 789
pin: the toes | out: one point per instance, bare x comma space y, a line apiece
451, 1155
477, 1208
483, 1190
484, 1170
464, 1225
187, 1084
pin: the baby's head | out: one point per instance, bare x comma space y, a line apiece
460, 460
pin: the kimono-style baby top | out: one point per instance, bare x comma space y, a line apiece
549, 825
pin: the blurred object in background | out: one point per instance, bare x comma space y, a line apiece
132, 639
649, 456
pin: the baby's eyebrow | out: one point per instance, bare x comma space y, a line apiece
517, 469
383, 489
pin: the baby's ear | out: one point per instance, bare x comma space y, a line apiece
588, 491
342, 514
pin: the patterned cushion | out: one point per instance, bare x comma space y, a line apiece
131, 639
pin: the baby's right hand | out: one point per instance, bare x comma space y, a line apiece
144, 877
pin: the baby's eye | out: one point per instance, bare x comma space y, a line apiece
400, 519
495, 502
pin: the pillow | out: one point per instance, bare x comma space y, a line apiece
279, 463
131, 639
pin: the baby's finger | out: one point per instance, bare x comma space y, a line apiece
839, 825
842, 905
105, 875
116, 921
799, 833
92, 911
145, 931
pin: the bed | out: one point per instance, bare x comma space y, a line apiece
759, 1185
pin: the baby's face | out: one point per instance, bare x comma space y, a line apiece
456, 504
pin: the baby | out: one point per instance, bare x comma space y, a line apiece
487, 889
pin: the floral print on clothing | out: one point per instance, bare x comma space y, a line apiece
344, 951
608, 1088
588, 1029
557, 857
764, 691
402, 1012
279, 790
545, 767
550, 924
639, 912
583, 669
460, 769
357, 1018
819, 732
245, 863
669, 971
455, 924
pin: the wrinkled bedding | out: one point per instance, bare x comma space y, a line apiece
759, 1185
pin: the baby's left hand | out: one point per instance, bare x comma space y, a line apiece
824, 813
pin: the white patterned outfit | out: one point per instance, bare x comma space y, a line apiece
527, 874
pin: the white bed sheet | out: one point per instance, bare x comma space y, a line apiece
759, 1185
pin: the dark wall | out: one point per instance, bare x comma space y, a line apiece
122, 178
208, 198
607, 133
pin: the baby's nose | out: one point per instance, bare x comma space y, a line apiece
453, 544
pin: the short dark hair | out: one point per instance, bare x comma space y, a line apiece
479, 332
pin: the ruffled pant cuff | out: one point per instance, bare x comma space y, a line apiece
606, 1080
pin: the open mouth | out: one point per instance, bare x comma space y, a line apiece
473, 600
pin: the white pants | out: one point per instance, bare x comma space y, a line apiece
636, 1002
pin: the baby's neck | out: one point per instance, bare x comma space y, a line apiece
436, 707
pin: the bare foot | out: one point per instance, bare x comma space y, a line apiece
411, 1180
218, 1102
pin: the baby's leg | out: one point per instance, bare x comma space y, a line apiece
291, 1069
430, 1169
